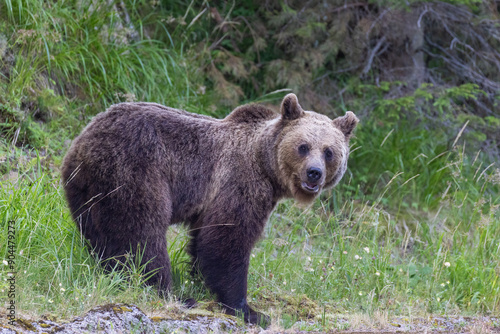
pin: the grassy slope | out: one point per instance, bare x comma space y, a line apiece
413, 228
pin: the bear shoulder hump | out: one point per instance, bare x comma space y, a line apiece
251, 113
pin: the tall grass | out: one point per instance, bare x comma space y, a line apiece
86, 53
340, 255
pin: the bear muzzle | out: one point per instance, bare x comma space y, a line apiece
314, 180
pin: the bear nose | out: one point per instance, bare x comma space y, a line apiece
313, 174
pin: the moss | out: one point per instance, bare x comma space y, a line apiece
26, 324
121, 309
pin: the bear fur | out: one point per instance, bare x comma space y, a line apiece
139, 167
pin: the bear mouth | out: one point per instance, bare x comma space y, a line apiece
310, 187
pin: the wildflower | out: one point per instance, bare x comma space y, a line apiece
356, 257
253, 255
21, 252
63, 289
366, 249
438, 299
76, 298
50, 301
400, 270
447, 282
344, 252
447, 264
192, 282
5, 263
90, 295
377, 273
284, 282
360, 293
442, 284
293, 290
60, 284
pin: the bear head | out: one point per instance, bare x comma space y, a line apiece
312, 149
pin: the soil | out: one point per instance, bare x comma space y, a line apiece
125, 318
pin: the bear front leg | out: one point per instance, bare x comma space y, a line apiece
223, 256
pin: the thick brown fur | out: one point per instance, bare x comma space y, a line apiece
139, 167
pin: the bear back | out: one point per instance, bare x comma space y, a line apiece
251, 113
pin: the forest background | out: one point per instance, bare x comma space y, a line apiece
414, 227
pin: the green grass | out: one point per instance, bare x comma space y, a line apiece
413, 229
339, 256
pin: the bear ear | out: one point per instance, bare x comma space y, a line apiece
346, 123
290, 108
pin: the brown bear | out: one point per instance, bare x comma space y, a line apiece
139, 167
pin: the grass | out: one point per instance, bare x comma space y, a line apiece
412, 230
313, 264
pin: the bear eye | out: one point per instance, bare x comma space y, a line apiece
303, 149
328, 154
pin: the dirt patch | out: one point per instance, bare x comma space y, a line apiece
125, 318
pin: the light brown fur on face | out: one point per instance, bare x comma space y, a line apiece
327, 152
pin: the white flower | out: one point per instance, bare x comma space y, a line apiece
63, 289
360, 293
50, 301
366, 249
442, 284
357, 257
5, 263
344, 252
377, 273
284, 282
447, 264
